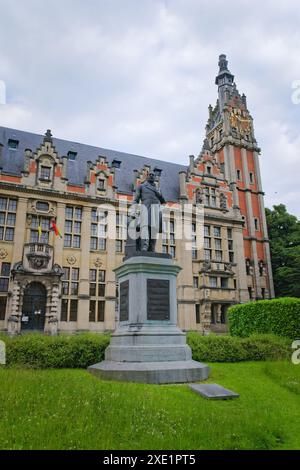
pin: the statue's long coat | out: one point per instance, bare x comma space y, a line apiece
150, 197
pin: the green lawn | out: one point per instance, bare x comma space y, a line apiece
70, 409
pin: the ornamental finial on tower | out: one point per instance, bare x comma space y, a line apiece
224, 76
223, 63
224, 80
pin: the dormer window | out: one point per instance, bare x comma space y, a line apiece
45, 173
116, 163
208, 169
72, 155
101, 184
13, 144
157, 171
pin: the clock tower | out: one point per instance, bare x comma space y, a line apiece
230, 135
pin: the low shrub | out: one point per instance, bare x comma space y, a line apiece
81, 350
225, 348
279, 316
63, 351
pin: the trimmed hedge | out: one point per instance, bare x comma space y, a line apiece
64, 351
279, 316
225, 348
81, 350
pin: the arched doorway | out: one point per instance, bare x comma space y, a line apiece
34, 307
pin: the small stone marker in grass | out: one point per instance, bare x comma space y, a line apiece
213, 391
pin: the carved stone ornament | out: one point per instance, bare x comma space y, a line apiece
206, 266
33, 207
28, 220
18, 266
53, 319
37, 261
98, 263
14, 319
71, 259
3, 253
228, 267
57, 269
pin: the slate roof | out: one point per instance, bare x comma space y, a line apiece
13, 161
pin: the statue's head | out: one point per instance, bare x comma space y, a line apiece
151, 177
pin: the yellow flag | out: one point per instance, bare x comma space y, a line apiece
40, 229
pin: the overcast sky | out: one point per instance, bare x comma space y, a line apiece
138, 75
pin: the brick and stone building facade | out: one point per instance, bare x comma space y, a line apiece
67, 283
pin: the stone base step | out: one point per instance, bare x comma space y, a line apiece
151, 372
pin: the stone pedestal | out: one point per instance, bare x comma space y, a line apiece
148, 346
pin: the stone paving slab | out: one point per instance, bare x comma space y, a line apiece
213, 391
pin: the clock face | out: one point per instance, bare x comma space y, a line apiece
240, 120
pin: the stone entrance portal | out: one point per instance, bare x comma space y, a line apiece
34, 307
35, 289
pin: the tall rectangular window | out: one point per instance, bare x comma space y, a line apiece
206, 230
206, 242
4, 276
3, 300
43, 236
121, 229
250, 292
217, 232
197, 306
97, 293
98, 230
70, 284
73, 227
4, 281
8, 209
169, 244
218, 244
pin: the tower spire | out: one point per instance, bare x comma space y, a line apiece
224, 80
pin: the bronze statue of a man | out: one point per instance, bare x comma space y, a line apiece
150, 216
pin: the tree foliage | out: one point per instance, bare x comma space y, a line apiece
284, 234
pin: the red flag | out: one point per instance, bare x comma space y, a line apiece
55, 228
